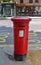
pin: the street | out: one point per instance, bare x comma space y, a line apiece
34, 32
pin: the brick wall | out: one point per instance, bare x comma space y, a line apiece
27, 2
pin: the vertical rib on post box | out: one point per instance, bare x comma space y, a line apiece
21, 27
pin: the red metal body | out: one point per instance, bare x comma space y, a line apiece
21, 27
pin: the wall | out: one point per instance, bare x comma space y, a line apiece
27, 2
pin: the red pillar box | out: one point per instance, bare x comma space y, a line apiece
21, 27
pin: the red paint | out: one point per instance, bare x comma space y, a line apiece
21, 43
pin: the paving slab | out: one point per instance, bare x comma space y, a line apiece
5, 60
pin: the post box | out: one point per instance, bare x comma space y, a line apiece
21, 27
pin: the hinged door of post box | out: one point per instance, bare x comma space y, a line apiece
20, 40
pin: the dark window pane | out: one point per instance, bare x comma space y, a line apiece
21, 1
30, 1
36, 1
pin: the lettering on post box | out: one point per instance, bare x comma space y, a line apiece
21, 33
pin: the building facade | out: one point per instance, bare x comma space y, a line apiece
27, 2
28, 7
7, 9
23, 7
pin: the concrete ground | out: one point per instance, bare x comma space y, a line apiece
6, 57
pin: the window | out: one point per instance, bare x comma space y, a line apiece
36, 1
30, 1
21, 1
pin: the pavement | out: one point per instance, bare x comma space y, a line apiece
3, 18
7, 58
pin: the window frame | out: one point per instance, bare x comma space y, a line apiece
36, 1
21, 1
30, 1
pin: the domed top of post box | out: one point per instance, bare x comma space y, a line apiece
21, 19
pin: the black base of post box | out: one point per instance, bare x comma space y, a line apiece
19, 57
